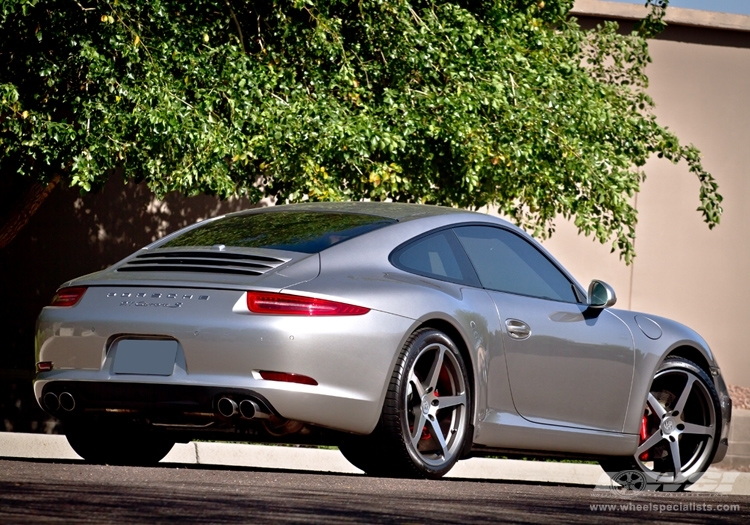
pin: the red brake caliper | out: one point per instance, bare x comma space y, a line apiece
644, 436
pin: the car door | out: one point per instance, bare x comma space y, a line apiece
567, 364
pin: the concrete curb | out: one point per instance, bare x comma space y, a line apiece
55, 447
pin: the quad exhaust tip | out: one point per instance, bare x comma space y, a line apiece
53, 402
227, 407
67, 401
249, 409
246, 409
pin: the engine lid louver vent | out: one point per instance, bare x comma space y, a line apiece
205, 262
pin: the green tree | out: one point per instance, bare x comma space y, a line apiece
463, 103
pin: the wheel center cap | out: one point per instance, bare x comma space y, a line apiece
668, 425
425, 406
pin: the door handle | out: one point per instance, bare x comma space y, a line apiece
517, 329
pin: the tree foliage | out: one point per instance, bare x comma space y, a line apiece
463, 103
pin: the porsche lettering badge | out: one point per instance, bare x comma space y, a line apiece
144, 299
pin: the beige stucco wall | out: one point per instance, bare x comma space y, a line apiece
683, 270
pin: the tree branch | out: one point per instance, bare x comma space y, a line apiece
237, 25
20, 215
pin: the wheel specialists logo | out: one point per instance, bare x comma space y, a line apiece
628, 483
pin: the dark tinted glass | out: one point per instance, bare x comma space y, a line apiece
305, 232
431, 255
507, 263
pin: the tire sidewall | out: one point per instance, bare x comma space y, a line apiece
412, 351
625, 464
679, 363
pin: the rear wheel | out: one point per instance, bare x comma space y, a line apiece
426, 415
115, 445
425, 424
679, 429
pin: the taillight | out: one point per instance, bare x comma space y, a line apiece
285, 304
68, 296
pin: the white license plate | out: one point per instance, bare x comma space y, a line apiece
145, 356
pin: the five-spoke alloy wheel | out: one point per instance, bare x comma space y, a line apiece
426, 421
428, 405
679, 428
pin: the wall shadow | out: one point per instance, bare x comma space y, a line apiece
72, 235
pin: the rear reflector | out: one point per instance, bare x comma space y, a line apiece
285, 304
285, 377
68, 296
44, 366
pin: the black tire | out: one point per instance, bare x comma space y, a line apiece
118, 445
680, 430
427, 411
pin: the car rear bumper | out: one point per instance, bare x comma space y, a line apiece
196, 405
220, 348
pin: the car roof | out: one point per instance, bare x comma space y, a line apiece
398, 211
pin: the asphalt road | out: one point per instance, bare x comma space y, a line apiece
42, 491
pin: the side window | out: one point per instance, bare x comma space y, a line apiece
432, 256
508, 263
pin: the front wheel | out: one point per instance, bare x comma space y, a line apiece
117, 445
427, 410
679, 430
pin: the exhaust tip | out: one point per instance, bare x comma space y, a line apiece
51, 402
226, 407
67, 401
249, 409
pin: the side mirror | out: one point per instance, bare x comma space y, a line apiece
601, 295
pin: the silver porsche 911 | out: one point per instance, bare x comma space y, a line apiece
409, 336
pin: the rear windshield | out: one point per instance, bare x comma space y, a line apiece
297, 231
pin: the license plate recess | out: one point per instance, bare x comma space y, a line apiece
145, 356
